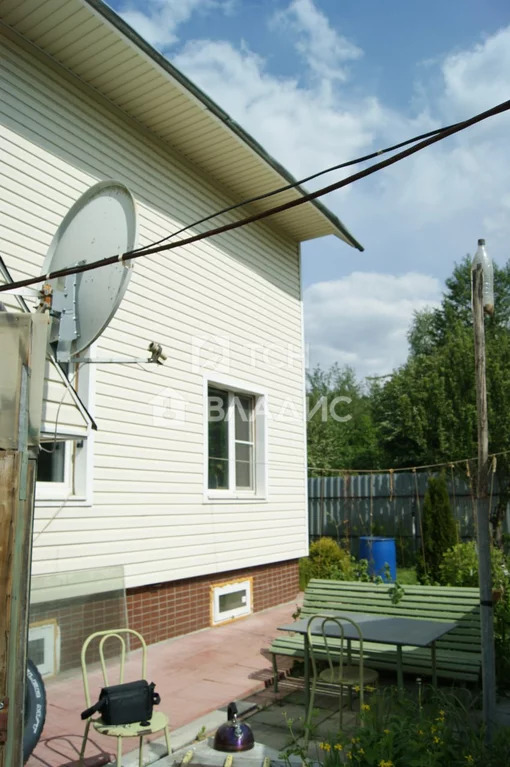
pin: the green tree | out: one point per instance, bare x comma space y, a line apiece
426, 413
438, 529
341, 432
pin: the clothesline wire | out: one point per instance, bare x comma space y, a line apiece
422, 467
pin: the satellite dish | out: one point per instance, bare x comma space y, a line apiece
101, 223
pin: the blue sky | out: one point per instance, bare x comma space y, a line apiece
318, 82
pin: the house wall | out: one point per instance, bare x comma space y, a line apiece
146, 510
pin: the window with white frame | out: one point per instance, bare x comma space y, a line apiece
235, 442
54, 467
44, 647
231, 600
64, 464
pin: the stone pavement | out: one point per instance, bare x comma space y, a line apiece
196, 675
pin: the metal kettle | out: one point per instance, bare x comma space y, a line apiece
233, 735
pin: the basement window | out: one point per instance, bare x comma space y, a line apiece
44, 647
231, 600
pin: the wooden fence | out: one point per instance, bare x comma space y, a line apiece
384, 504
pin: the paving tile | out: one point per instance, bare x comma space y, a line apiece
194, 674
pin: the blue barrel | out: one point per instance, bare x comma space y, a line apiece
379, 552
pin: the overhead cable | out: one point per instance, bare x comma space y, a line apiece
503, 107
296, 184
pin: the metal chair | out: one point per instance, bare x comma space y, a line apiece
328, 638
158, 721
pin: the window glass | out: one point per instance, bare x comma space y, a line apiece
244, 466
51, 463
244, 417
231, 429
218, 438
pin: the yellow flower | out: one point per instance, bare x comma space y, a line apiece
386, 732
469, 759
349, 755
420, 732
433, 728
361, 751
441, 713
436, 739
365, 707
356, 688
338, 747
354, 740
369, 688
385, 763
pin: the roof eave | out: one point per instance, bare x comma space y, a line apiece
109, 14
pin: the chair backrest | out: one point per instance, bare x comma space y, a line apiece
117, 634
327, 634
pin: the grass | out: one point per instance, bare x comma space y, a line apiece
406, 576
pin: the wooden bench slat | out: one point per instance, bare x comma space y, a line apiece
458, 653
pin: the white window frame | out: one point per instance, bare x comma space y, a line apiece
77, 487
218, 589
260, 469
50, 635
49, 490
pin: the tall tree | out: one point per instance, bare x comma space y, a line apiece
426, 413
341, 433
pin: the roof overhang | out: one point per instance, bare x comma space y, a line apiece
92, 42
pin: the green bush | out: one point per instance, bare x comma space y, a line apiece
460, 568
326, 560
438, 528
430, 729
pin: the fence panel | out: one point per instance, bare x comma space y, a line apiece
389, 504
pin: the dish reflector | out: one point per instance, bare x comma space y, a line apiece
101, 223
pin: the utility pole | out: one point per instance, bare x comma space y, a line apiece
482, 503
24, 339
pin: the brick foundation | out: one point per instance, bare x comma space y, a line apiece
159, 611
165, 610
79, 617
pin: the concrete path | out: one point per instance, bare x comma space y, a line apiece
197, 675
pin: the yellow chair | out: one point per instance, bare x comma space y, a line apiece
158, 721
328, 637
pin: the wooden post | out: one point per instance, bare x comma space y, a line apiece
17, 486
17, 472
484, 557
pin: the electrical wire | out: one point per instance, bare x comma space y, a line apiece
296, 184
130, 255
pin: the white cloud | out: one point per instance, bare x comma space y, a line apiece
303, 127
322, 48
479, 78
362, 320
422, 214
160, 19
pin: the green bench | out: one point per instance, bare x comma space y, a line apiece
458, 653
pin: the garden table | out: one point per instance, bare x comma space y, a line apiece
384, 629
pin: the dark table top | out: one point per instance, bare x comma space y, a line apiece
386, 629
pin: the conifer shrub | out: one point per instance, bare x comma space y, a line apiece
439, 530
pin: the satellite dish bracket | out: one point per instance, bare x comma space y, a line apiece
157, 357
64, 309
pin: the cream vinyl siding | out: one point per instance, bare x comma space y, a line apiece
88, 39
148, 513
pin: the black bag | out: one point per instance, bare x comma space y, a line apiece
126, 703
